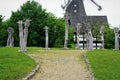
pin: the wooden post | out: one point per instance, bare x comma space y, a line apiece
90, 38
20, 24
66, 36
116, 30
102, 36
46, 37
66, 30
78, 34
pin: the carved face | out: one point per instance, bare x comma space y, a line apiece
27, 23
10, 30
75, 5
20, 23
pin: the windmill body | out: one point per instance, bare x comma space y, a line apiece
75, 13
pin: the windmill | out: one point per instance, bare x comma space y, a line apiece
75, 13
67, 2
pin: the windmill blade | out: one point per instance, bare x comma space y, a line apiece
99, 7
63, 7
66, 3
63, 4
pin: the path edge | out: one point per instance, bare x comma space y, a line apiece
88, 66
33, 72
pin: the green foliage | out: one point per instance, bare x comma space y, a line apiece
14, 65
2, 32
70, 38
56, 33
39, 19
105, 64
109, 37
1, 18
96, 31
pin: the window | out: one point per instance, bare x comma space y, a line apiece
75, 5
75, 11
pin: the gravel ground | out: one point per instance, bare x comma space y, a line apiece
60, 65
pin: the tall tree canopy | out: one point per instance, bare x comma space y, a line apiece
2, 32
39, 19
109, 38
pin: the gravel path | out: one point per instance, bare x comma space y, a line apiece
61, 65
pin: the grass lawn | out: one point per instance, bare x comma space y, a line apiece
14, 65
105, 64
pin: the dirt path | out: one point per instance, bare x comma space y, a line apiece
60, 65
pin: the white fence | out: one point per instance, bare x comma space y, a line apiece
83, 43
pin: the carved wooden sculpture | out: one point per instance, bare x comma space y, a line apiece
66, 31
23, 34
90, 38
78, 34
46, 37
116, 30
10, 40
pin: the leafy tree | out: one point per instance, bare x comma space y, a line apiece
39, 19
109, 37
1, 18
3, 32
96, 31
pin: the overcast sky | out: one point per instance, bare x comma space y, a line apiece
110, 8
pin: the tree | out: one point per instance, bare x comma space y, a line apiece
39, 19
3, 32
109, 37
38, 16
